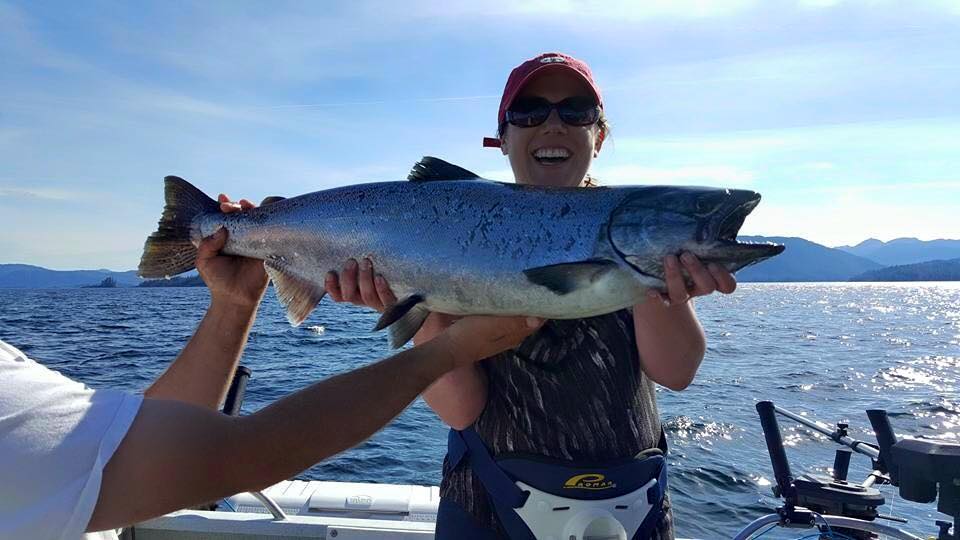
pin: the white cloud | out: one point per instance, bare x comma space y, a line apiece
945, 189
728, 143
501, 175
621, 10
816, 4
42, 193
701, 175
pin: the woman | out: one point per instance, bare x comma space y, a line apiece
578, 391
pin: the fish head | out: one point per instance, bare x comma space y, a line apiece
653, 222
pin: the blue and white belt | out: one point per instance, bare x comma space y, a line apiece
539, 498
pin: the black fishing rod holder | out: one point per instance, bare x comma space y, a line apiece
841, 464
929, 471
778, 455
924, 471
885, 441
238, 388
918, 468
807, 494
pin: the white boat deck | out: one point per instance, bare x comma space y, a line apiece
314, 509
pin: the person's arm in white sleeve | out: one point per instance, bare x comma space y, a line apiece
177, 455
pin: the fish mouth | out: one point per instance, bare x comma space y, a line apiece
659, 221
720, 234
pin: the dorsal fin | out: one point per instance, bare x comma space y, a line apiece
431, 169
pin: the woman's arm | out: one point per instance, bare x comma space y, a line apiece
670, 340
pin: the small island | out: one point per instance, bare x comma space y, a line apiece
107, 283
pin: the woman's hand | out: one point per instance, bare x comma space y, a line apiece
358, 284
706, 279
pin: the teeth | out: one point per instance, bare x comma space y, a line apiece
551, 153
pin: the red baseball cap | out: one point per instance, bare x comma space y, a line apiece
525, 72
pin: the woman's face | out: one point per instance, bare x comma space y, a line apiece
553, 153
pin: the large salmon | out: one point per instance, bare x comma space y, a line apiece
449, 241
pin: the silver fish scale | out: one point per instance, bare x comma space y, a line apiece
419, 233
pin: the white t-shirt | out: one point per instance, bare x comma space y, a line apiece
56, 436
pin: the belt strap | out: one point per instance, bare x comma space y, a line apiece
497, 483
505, 495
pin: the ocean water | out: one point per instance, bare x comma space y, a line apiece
828, 350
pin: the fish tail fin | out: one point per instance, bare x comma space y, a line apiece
169, 250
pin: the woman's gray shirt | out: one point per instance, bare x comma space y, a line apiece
572, 391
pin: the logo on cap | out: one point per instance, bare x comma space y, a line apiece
553, 60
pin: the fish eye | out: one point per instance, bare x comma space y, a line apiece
709, 202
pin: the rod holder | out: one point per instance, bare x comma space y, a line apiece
778, 456
885, 440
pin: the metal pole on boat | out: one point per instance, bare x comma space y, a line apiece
278, 513
836, 435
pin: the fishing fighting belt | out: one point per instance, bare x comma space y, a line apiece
538, 498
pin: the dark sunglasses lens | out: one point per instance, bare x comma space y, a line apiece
575, 111
528, 119
528, 112
578, 111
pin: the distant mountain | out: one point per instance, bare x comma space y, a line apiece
25, 276
905, 250
804, 260
926, 271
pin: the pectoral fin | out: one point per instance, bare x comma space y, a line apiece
403, 319
298, 295
397, 311
565, 278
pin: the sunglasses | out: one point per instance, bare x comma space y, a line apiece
573, 111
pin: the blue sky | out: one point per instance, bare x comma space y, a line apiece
845, 115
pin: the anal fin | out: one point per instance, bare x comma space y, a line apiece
564, 278
298, 295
